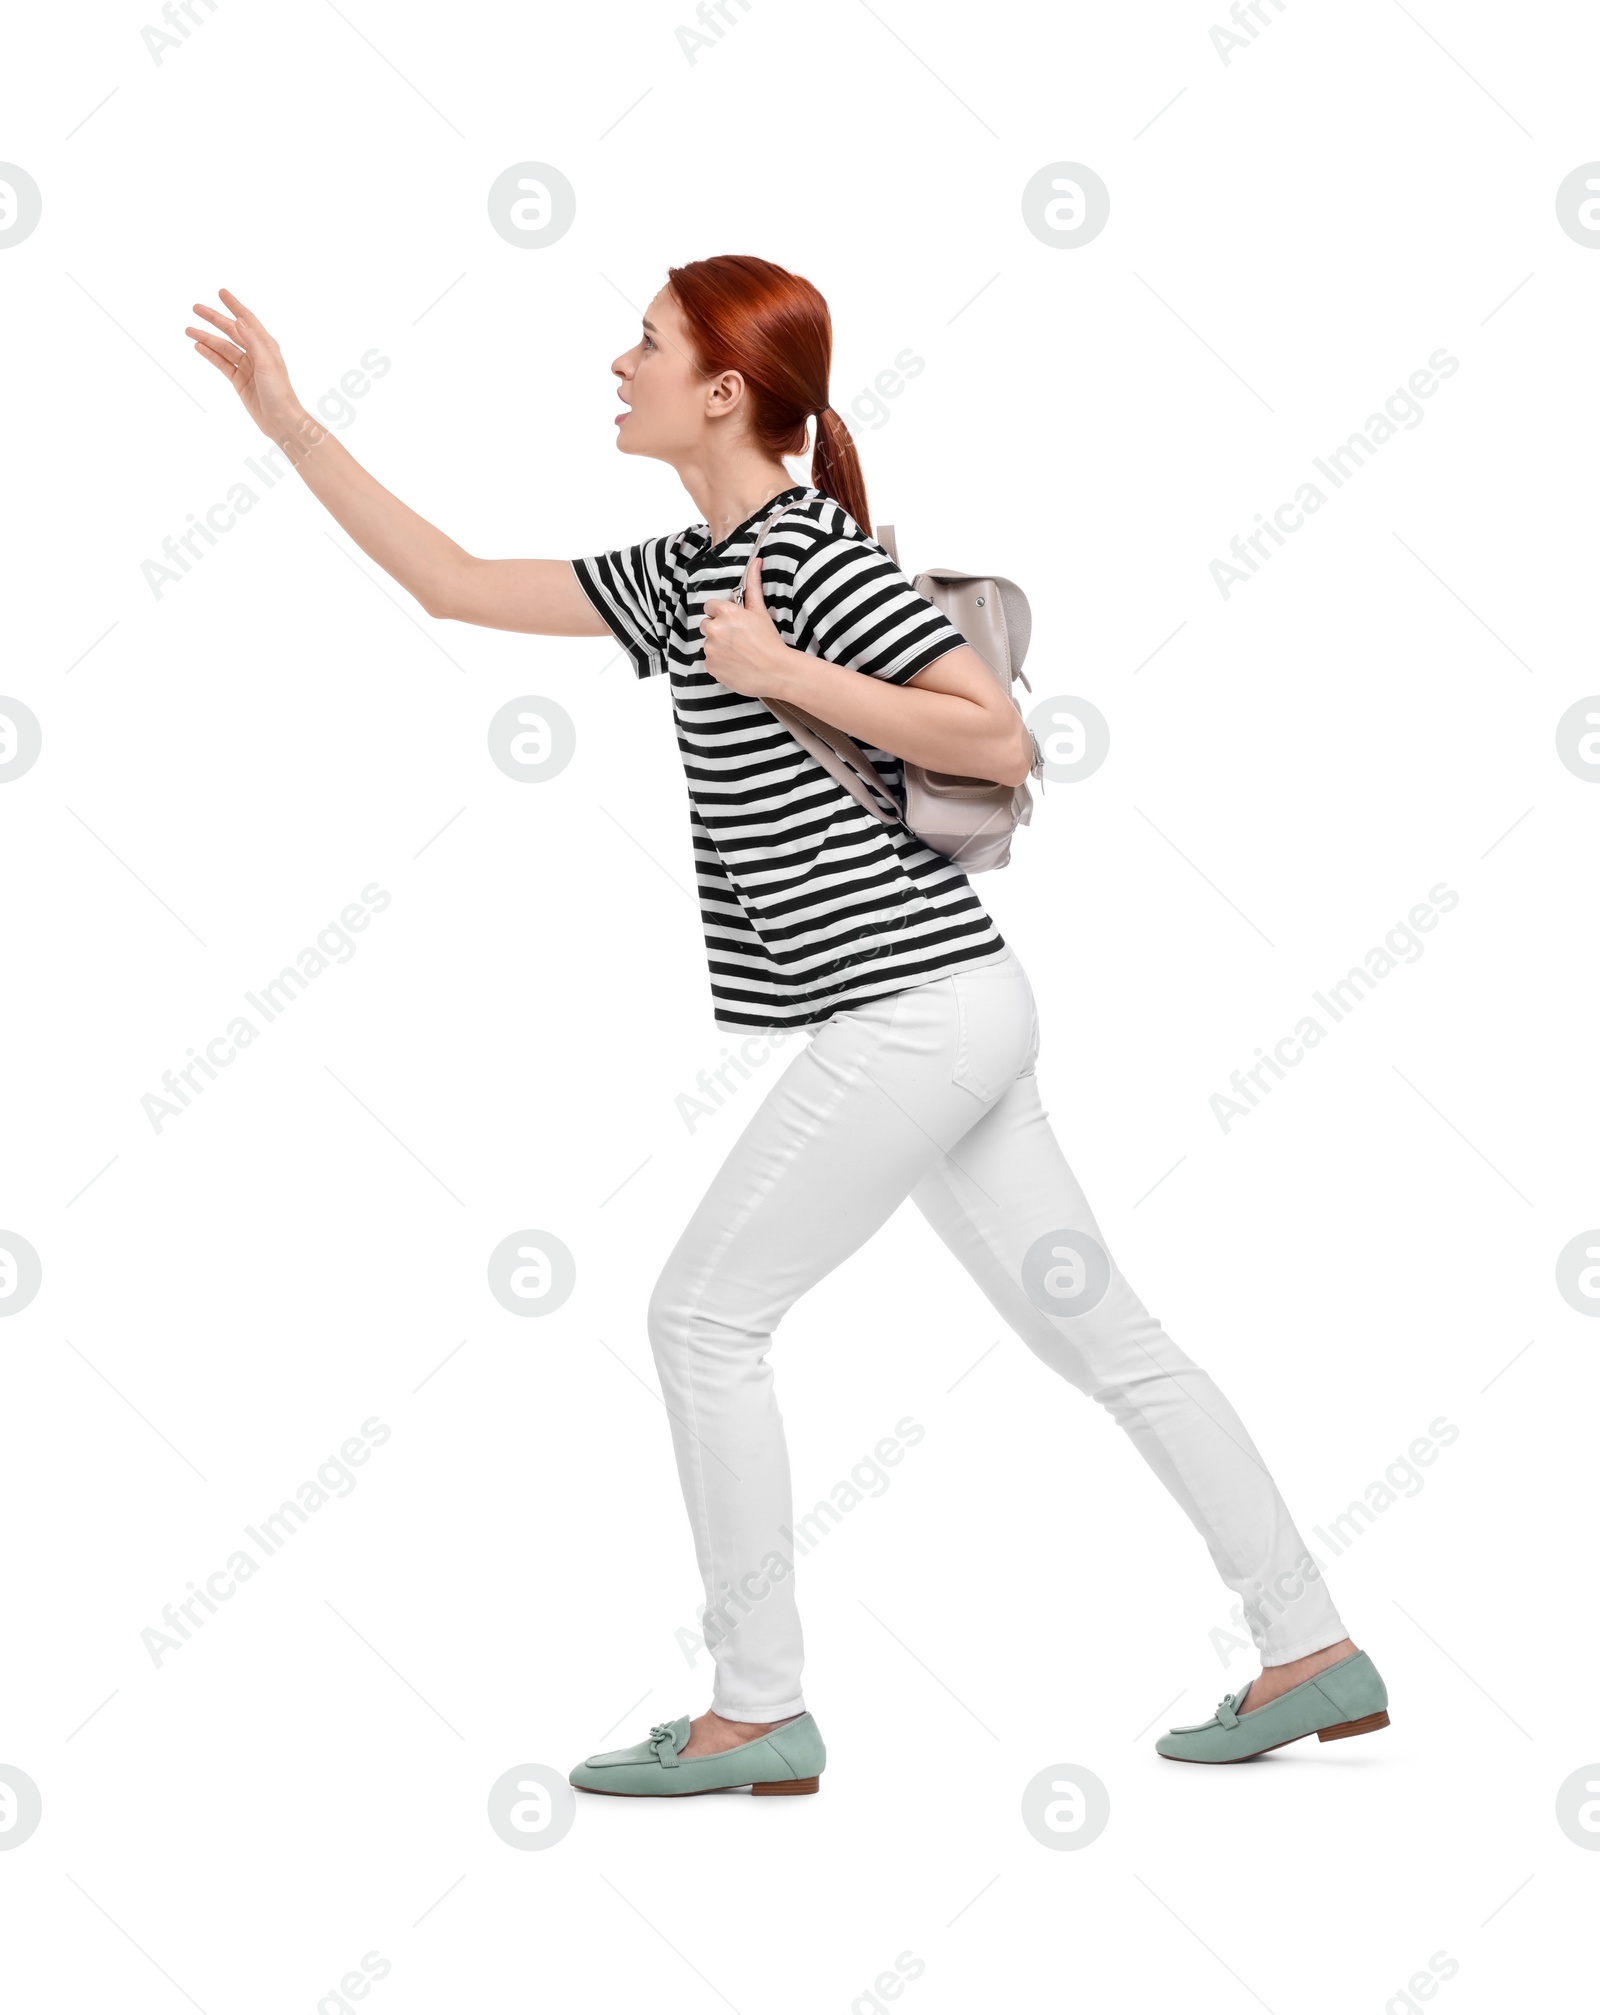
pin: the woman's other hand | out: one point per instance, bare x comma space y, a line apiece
743, 650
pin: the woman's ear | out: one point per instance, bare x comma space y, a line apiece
724, 394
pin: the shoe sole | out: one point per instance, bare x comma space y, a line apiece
1367, 1725
790, 1788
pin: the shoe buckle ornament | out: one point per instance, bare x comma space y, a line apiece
1225, 1709
662, 1742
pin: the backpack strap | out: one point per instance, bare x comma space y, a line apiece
738, 594
842, 757
838, 753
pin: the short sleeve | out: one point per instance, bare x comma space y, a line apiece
850, 604
633, 592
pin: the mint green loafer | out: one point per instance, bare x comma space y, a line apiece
1349, 1698
789, 1758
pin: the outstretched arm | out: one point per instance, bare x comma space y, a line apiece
541, 596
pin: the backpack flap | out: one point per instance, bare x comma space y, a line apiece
993, 616
991, 612
1019, 625
970, 820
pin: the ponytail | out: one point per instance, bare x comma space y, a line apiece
836, 468
747, 315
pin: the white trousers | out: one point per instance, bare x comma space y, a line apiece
929, 1094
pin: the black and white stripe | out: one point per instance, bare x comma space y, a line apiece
809, 903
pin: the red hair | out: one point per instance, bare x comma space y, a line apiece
747, 315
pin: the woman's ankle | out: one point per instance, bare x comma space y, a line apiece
1278, 1679
711, 1732
745, 1730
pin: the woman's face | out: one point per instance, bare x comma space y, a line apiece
667, 400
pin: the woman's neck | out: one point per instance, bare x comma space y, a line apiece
726, 497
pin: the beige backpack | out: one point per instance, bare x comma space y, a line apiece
969, 820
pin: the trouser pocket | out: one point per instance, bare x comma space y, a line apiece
997, 1028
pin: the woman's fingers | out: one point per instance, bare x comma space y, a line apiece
245, 328
225, 323
212, 357
251, 323
232, 356
216, 346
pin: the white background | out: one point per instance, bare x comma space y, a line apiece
227, 765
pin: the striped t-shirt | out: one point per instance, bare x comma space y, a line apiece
809, 903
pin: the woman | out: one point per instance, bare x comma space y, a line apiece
918, 1079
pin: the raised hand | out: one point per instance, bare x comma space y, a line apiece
249, 358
